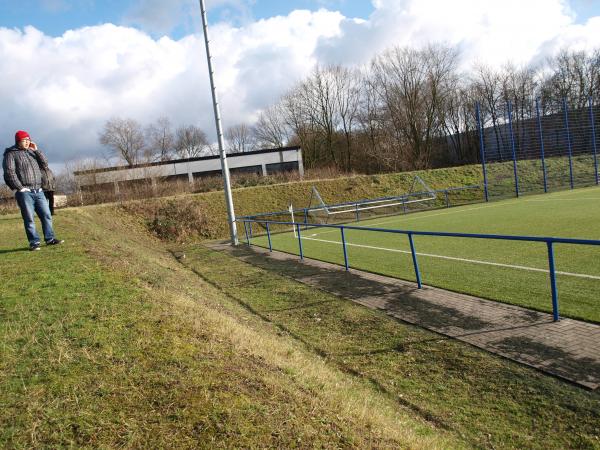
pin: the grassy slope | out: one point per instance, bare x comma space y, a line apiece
107, 341
205, 214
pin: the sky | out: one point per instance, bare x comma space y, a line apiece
70, 65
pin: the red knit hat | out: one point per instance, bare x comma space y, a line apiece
20, 135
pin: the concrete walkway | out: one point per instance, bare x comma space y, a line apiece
568, 349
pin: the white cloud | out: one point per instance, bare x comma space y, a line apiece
485, 30
63, 89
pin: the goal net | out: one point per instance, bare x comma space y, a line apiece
420, 196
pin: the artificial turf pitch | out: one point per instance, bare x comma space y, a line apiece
507, 271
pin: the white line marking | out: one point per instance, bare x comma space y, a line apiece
561, 199
451, 258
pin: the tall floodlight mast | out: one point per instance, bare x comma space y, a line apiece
224, 167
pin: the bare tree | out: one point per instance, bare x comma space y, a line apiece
347, 94
317, 93
413, 85
303, 130
240, 138
124, 138
191, 142
574, 76
371, 128
271, 130
160, 138
459, 122
487, 85
520, 87
321, 112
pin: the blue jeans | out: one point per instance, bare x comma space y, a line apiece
30, 202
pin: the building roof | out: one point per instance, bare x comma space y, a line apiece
176, 161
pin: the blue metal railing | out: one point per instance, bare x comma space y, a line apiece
549, 241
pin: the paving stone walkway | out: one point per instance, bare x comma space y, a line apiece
568, 349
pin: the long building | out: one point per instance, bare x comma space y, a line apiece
259, 162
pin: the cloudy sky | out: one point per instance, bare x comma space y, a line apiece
69, 65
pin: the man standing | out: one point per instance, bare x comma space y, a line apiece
23, 165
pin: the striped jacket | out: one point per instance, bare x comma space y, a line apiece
23, 168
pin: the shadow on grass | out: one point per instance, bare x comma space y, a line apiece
557, 361
367, 289
13, 250
433, 315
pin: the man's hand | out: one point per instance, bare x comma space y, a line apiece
33, 146
25, 190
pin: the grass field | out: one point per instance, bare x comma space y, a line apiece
511, 272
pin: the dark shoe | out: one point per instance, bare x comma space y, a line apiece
54, 242
34, 247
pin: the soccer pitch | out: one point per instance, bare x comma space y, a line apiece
506, 271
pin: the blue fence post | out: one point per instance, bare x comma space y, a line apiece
357, 214
415, 262
541, 133
594, 140
345, 250
555, 314
447, 199
568, 141
300, 242
482, 150
269, 238
512, 144
246, 231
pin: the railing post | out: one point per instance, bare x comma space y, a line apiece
447, 199
482, 150
555, 314
269, 238
415, 262
246, 231
594, 140
513, 147
345, 250
541, 133
300, 242
569, 147
357, 214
